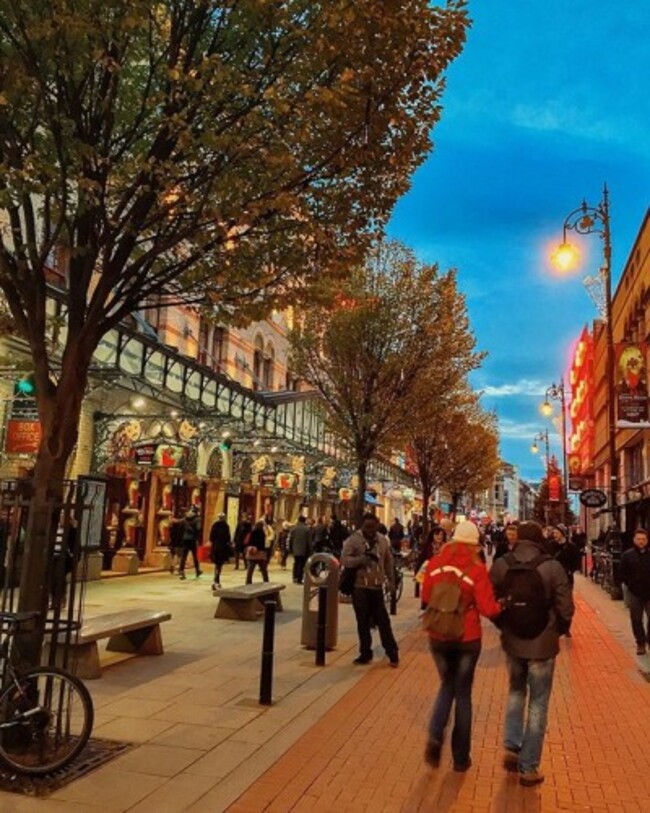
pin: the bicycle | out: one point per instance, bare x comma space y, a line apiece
399, 563
46, 714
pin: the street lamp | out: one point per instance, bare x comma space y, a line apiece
595, 220
534, 449
556, 393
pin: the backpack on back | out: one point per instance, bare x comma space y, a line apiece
526, 607
445, 612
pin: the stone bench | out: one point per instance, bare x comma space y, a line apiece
246, 603
136, 632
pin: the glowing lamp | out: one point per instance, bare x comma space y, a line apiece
565, 257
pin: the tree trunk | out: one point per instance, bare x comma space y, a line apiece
426, 499
60, 420
360, 505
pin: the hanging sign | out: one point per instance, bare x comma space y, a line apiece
554, 487
593, 498
285, 480
22, 437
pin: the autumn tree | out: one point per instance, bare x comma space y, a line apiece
222, 153
394, 318
471, 458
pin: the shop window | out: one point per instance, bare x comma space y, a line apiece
218, 347
634, 465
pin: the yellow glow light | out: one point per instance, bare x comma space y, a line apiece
546, 409
534, 448
565, 257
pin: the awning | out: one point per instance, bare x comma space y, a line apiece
370, 499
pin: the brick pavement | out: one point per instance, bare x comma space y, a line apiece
365, 754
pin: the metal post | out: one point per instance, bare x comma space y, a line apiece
266, 674
417, 589
321, 627
393, 604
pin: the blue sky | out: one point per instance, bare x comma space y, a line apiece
546, 103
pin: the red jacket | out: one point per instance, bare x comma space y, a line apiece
476, 587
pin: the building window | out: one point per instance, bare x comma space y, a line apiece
203, 353
218, 346
634, 465
258, 363
269, 362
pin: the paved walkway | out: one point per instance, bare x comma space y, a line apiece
344, 738
366, 754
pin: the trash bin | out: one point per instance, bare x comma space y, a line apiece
321, 570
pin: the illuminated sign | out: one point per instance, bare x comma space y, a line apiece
22, 437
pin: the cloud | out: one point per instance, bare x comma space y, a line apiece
516, 430
524, 386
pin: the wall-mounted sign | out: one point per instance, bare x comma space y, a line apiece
22, 437
593, 498
144, 455
554, 487
632, 386
285, 480
266, 479
169, 455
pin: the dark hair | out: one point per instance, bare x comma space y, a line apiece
642, 531
370, 515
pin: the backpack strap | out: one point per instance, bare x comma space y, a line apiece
530, 564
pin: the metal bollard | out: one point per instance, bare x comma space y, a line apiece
417, 589
393, 604
321, 626
266, 674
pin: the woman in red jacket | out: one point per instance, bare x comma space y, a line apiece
458, 561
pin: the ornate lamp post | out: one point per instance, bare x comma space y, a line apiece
543, 436
595, 220
556, 393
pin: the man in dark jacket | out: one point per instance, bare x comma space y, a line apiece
221, 549
300, 547
242, 534
635, 575
566, 554
507, 543
531, 661
396, 535
368, 552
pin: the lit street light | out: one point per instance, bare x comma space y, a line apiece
595, 220
543, 436
556, 393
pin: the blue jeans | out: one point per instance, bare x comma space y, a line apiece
456, 664
534, 678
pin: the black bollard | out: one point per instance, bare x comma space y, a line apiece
417, 589
393, 604
266, 675
321, 626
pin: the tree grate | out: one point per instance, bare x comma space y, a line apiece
96, 753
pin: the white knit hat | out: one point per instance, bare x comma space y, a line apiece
466, 532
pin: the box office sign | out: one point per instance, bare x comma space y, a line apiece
22, 437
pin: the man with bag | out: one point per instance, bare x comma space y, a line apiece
538, 607
368, 553
456, 591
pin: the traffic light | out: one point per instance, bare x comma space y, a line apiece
25, 387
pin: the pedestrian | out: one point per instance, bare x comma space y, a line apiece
508, 542
191, 530
256, 554
635, 575
338, 533
320, 542
457, 565
368, 552
242, 535
300, 547
221, 549
435, 539
396, 535
538, 606
283, 544
566, 553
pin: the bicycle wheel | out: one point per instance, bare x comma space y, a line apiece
399, 586
46, 718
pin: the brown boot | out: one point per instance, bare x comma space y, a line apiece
530, 778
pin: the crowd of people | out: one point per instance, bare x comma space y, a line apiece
519, 575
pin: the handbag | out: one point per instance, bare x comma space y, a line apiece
346, 580
255, 555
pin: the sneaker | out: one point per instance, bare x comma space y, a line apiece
394, 661
640, 650
199, 573
181, 576
530, 778
362, 661
461, 767
510, 759
432, 753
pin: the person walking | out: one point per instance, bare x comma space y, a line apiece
635, 575
507, 543
396, 535
457, 565
538, 606
338, 533
300, 547
256, 554
368, 552
221, 549
566, 553
321, 535
242, 535
190, 539
283, 544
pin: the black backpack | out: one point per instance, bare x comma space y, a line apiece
526, 607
